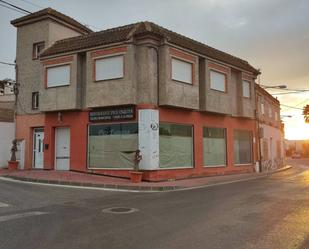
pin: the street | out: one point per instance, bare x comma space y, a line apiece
272, 212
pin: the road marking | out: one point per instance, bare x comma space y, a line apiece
2, 204
19, 216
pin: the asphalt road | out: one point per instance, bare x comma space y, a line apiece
267, 213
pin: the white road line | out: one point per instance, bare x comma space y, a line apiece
19, 216
2, 204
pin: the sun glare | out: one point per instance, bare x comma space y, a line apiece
297, 131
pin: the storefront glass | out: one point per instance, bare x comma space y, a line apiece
242, 147
214, 150
112, 146
176, 146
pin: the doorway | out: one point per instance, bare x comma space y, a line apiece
62, 149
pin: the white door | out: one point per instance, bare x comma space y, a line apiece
62, 150
38, 148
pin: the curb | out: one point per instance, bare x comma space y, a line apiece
138, 188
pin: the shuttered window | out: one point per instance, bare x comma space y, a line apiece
218, 81
181, 71
58, 76
109, 68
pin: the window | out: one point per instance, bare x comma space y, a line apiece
182, 71
58, 76
112, 146
218, 81
246, 89
176, 146
278, 149
37, 49
265, 149
270, 112
109, 68
214, 140
35, 100
262, 109
242, 147
276, 116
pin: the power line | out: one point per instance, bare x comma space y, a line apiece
16, 7
300, 103
292, 107
2, 5
7, 63
33, 4
294, 91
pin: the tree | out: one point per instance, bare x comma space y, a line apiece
306, 113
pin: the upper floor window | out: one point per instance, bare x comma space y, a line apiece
35, 100
262, 108
58, 76
37, 49
246, 89
218, 81
182, 71
276, 116
109, 68
270, 112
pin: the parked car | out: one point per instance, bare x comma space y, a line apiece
296, 155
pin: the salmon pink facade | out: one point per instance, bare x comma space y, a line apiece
91, 102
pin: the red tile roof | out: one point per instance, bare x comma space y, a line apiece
49, 12
126, 32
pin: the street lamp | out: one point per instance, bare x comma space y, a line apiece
275, 87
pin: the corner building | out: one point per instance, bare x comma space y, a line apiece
88, 100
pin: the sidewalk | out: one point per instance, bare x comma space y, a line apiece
90, 180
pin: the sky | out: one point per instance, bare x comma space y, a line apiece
272, 35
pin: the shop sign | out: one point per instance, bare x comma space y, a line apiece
112, 114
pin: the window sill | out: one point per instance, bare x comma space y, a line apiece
243, 164
104, 80
167, 168
214, 166
183, 82
50, 87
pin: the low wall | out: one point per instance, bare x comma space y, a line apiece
7, 134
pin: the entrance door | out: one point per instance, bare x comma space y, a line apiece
62, 150
38, 148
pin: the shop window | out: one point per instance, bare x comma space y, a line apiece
35, 100
246, 89
37, 49
58, 76
242, 147
176, 146
109, 68
214, 140
112, 146
182, 71
218, 81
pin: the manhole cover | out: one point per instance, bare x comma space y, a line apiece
119, 210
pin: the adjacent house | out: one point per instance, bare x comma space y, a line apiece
7, 126
271, 144
88, 100
7, 134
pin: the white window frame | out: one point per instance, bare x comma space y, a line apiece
65, 82
109, 77
244, 84
212, 87
181, 78
36, 53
